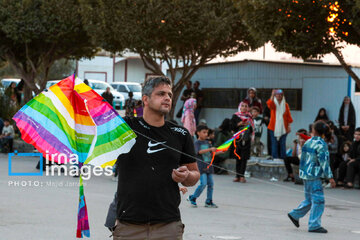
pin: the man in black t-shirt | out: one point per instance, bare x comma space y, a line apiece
148, 198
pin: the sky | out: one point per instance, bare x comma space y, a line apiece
351, 55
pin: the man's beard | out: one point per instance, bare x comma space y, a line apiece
161, 111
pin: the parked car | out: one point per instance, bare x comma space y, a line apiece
125, 87
52, 82
100, 88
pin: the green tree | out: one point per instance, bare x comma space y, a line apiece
6, 70
61, 69
306, 28
184, 34
36, 33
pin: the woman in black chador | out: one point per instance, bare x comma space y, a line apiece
347, 119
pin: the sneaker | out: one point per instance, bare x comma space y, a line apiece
328, 185
192, 201
210, 204
319, 230
273, 179
295, 222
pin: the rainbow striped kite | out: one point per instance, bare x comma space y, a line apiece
72, 119
225, 146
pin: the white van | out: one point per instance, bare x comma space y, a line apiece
100, 88
125, 87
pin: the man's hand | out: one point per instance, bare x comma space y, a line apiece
179, 175
213, 149
183, 190
289, 129
332, 182
351, 160
241, 123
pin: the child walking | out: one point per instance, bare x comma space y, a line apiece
314, 165
203, 150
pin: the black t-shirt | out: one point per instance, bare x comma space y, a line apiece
206, 157
146, 190
199, 94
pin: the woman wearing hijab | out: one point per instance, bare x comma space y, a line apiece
188, 116
347, 119
239, 121
252, 100
280, 120
322, 115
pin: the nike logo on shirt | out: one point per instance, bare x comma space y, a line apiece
149, 151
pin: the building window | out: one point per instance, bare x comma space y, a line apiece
231, 97
357, 89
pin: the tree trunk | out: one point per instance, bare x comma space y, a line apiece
27, 94
176, 94
347, 68
30, 87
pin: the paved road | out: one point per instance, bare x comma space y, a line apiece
46, 207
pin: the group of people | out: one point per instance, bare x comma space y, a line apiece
342, 145
325, 153
165, 155
276, 116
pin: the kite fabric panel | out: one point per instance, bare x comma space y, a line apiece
71, 119
225, 146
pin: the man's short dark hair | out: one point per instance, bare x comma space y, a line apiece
152, 82
357, 129
201, 127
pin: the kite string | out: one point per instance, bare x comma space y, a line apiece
238, 174
212, 160
235, 150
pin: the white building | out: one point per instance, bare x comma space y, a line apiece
108, 69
